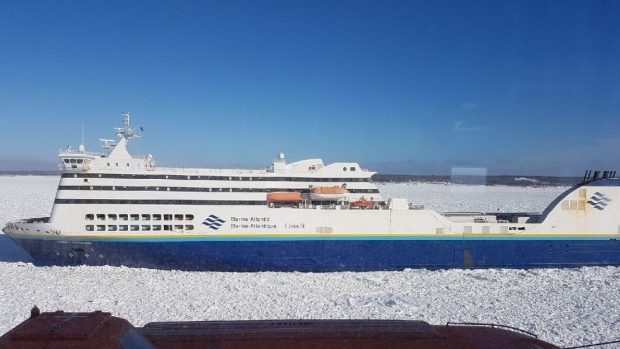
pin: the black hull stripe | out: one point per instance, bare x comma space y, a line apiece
157, 202
215, 178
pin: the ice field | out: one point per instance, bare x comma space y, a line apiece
563, 306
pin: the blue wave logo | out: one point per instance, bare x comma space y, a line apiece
599, 201
214, 222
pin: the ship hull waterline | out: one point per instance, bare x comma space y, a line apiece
323, 255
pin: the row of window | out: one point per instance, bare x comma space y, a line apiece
136, 227
196, 189
158, 202
223, 178
137, 217
74, 161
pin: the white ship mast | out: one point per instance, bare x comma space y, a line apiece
125, 133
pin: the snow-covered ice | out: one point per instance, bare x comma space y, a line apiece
563, 306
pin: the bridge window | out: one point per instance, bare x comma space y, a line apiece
352, 168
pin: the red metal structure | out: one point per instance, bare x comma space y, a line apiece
57, 330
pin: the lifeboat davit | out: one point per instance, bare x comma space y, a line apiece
362, 203
328, 193
284, 197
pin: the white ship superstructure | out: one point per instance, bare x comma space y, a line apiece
98, 191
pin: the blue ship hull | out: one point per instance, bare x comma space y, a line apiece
323, 255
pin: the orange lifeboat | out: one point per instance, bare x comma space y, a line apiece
362, 203
328, 193
284, 197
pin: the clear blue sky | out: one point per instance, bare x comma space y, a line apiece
518, 87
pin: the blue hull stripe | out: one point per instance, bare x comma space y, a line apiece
338, 254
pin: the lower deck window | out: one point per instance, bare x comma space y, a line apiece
134, 228
156, 227
123, 227
101, 228
111, 228
90, 227
146, 227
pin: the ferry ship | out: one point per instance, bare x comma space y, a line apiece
117, 209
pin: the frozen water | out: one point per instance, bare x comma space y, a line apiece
563, 306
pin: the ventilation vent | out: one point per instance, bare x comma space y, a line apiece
324, 230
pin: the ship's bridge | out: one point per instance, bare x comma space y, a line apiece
76, 160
